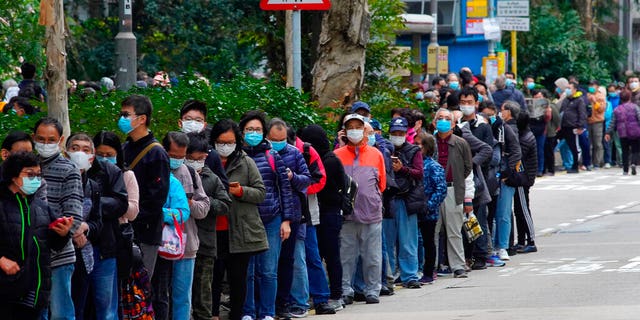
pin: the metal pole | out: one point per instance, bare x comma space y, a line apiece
126, 62
297, 51
514, 53
492, 43
433, 42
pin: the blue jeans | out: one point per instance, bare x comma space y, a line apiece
540, 140
565, 153
585, 146
317, 278
502, 228
61, 304
262, 275
103, 280
300, 282
420, 251
181, 283
390, 231
407, 226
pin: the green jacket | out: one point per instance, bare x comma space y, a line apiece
246, 231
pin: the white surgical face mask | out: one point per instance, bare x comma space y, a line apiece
81, 159
355, 135
634, 85
467, 110
192, 126
225, 150
397, 140
47, 150
196, 165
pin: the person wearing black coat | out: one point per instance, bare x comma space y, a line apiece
574, 120
522, 210
330, 203
26, 238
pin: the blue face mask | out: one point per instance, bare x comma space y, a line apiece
455, 85
480, 98
278, 145
443, 125
492, 119
558, 90
613, 94
371, 140
175, 163
531, 85
509, 82
30, 185
567, 92
113, 160
124, 124
253, 138
419, 95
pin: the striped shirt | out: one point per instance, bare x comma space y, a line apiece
65, 197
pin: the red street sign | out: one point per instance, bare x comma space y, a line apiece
295, 4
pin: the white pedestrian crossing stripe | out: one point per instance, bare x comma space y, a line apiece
572, 266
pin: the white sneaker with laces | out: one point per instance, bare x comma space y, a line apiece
266, 318
247, 318
503, 255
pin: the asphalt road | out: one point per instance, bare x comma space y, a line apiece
587, 266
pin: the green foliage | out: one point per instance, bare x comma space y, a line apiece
384, 94
229, 99
20, 35
556, 46
92, 48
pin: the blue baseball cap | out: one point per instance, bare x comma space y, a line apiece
360, 105
398, 124
375, 124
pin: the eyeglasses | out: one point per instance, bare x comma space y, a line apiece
126, 114
190, 119
254, 130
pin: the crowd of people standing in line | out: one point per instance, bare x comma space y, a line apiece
290, 220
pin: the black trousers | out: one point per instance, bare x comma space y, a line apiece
549, 157
18, 312
524, 221
329, 248
630, 147
428, 231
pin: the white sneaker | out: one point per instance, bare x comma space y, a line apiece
607, 166
247, 318
267, 318
502, 254
336, 304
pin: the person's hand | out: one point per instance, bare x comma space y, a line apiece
9, 266
289, 174
80, 241
84, 227
285, 230
580, 131
607, 138
62, 229
341, 135
396, 165
235, 189
468, 209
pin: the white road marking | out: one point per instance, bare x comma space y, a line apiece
564, 225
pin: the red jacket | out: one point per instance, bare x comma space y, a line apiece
316, 168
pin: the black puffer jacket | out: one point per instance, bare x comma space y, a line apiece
529, 151
25, 238
574, 112
114, 204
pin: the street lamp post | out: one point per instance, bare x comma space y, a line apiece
126, 62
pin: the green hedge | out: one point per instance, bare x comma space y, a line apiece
230, 99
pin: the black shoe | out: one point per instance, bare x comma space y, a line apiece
347, 300
359, 297
386, 291
479, 264
460, 274
397, 281
413, 284
512, 251
633, 169
372, 299
572, 171
324, 308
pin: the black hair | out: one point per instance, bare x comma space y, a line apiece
510, 73
141, 106
179, 138
522, 122
112, 140
17, 161
223, 126
453, 103
468, 91
399, 111
487, 105
612, 85
254, 115
291, 136
13, 137
436, 80
28, 70
428, 143
530, 76
466, 77
197, 142
409, 116
545, 93
481, 78
27, 92
196, 105
24, 104
481, 83
48, 121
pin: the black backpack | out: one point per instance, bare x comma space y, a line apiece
349, 192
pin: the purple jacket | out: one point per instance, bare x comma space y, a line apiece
625, 121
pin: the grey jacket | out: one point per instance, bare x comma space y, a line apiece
246, 231
219, 205
460, 164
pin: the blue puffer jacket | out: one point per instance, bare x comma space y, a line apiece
294, 160
279, 199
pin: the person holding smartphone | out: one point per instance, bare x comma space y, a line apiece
25, 271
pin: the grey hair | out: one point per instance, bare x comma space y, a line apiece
501, 82
80, 136
441, 110
278, 123
513, 107
181, 139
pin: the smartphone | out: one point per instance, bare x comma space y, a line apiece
234, 184
56, 222
345, 139
190, 195
393, 158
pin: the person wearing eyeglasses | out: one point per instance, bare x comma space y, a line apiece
151, 171
29, 228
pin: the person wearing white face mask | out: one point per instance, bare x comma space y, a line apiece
65, 196
104, 202
361, 233
407, 166
633, 84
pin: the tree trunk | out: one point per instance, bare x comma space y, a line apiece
338, 74
587, 22
56, 70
